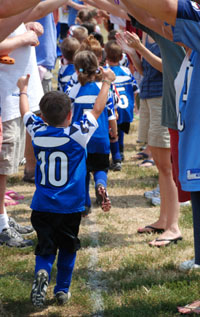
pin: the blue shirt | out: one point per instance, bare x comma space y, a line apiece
151, 84
83, 98
187, 31
60, 163
73, 13
64, 76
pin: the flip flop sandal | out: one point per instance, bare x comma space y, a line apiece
152, 230
191, 307
9, 201
151, 163
170, 241
14, 195
140, 156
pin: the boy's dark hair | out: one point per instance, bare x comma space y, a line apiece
111, 35
84, 15
55, 106
113, 51
91, 44
80, 33
99, 38
89, 26
68, 48
86, 64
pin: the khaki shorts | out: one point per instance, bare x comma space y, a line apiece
12, 151
150, 129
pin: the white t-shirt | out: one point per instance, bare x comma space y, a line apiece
25, 63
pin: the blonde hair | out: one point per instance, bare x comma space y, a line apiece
87, 65
80, 33
91, 44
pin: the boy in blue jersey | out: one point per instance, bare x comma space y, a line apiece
125, 86
68, 48
59, 199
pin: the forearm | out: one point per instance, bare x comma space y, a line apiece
11, 44
151, 58
165, 10
136, 61
10, 7
23, 103
111, 8
76, 5
44, 8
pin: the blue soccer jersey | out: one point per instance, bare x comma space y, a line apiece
60, 163
83, 98
64, 76
126, 85
187, 31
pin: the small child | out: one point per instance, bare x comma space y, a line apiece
68, 48
126, 86
83, 96
59, 199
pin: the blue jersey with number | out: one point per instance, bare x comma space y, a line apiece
64, 76
60, 163
187, 31
126, 85
83, 98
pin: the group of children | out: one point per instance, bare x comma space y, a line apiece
80, 125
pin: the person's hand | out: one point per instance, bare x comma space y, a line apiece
36, 27
108, 74
132, 40
30, 38
22, 83
122, 42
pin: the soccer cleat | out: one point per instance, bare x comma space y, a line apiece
102, 198
39, 288
116, 167
62, 297
11, 238
25, 230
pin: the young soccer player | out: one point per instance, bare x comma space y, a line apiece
59, 199
83, 96
125, 85
68, 48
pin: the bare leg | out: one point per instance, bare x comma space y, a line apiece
169, 209
3, 180
30, 158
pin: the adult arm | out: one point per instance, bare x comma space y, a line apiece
75, 5
134, 41
11, 44
11, 7
108, 6
44, 8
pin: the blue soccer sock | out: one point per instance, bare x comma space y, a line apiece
100, 177
44, 263
65, 267
116, 156
87, 191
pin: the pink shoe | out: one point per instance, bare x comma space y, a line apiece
8, 201
14, 195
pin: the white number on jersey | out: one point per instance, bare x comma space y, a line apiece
56, 160
124, 100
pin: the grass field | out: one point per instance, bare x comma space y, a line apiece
116, 274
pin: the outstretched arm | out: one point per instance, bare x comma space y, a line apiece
108, 6
23, 87
108, 78
11, 7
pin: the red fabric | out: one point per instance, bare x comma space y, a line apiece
182, 195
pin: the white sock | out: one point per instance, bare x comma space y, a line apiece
3, 222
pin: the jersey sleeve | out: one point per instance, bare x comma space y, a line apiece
32, 123
187, 28
82, 130
110, 106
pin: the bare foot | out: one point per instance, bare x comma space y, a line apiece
193, 308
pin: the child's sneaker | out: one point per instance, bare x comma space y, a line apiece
102, 198
25, 230
11, 238
116, 166
39, 288
152, 193
62, 297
